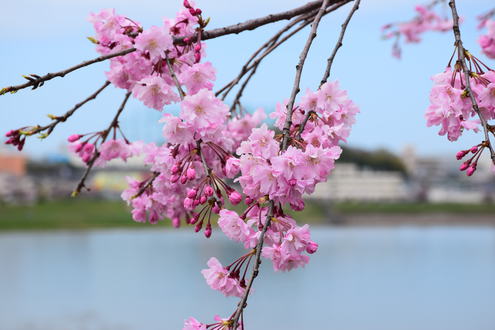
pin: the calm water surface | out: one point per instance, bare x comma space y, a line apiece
401, 278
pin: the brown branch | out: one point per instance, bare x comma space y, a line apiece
467, 74
339, 42
59, 119
257, 22
96, 155
36, 82
297, 79
259, 247
148, 184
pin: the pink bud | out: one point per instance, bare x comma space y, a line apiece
86, 157
192, 193
470, 170
474, 149
194, 219
174, 178
176, 222
248, 200
208, 231
216, 209
198, 226
188, 203
197, 57
209, 191
88, 147
197, 47
461, 154
11, 133
202, 200
198, 11
235, 198
187, 4
191, 173
74, 137
464, 165
311, 247
192, 11
187, 40
196, 202
183, 179
175, 169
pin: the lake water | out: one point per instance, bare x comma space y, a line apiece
397, 278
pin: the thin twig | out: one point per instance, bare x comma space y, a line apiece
272, 44
467, 74
59, 119
96, 155
259, 247
297, 79
267, 44
36, 82
339, 42
174, 77
148, 184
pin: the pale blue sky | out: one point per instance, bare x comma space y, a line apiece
39, 36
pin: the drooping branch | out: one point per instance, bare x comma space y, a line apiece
297, 79
257, 261
96, 155
339, 42
269, 47
467, 74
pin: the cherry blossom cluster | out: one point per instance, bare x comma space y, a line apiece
425, 20
452, 109
487, 41
212, 159
145, 72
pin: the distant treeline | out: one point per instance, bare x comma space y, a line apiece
379, 159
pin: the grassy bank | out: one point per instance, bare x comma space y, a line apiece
81, 214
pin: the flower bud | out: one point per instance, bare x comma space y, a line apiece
216, 209
197, 57
471, 170
464, 165
191, 193
191, 173
202, 200
235, 198
197, 47
208, 191
248, 200
174, 178
474, 149
198, 226
198, 11
74, 137
311, 247
175, 169
176, 222
183, 179
208, 230
461, 154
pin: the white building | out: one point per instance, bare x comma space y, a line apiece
349, 182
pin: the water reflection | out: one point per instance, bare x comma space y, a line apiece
400, 278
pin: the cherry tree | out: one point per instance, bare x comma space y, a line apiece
218, 155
